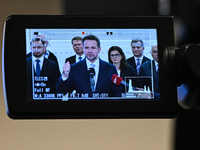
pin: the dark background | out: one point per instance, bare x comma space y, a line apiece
140, 134
187, 29
88, 134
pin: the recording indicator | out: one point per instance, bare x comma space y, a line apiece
86, 33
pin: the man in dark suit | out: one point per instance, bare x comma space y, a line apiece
45, 71
147, 69
138, 58
47, 53
77, 76
78, 49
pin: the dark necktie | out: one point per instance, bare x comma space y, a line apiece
156, 81
157, 69
80, 58
157, 72
138, 66
38, 68
92, 80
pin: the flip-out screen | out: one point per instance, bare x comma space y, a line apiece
89, 67
125, 62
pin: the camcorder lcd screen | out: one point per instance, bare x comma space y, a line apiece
126, 64
88, 67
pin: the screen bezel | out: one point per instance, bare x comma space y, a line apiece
16, 93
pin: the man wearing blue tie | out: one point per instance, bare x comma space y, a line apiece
78, 49
42, 73
138, 58
78, 76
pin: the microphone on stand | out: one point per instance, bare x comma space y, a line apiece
118, 81
91, 73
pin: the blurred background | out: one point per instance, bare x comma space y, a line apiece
112, 134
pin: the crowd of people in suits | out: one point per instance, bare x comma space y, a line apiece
75, 70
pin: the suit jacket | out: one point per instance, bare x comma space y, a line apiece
131, 61
128, 71
79, 80
71, 59
49, 70
145, 70
51, 57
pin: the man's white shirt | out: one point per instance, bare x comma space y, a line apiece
40, 63
88, 64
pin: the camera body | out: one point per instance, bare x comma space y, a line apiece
28, 96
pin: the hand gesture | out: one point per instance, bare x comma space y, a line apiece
66, 69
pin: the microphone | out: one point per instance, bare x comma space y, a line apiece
91, 73
118, 81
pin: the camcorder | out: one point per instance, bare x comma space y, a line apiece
128, 67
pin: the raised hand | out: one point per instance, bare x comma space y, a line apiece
66, 69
